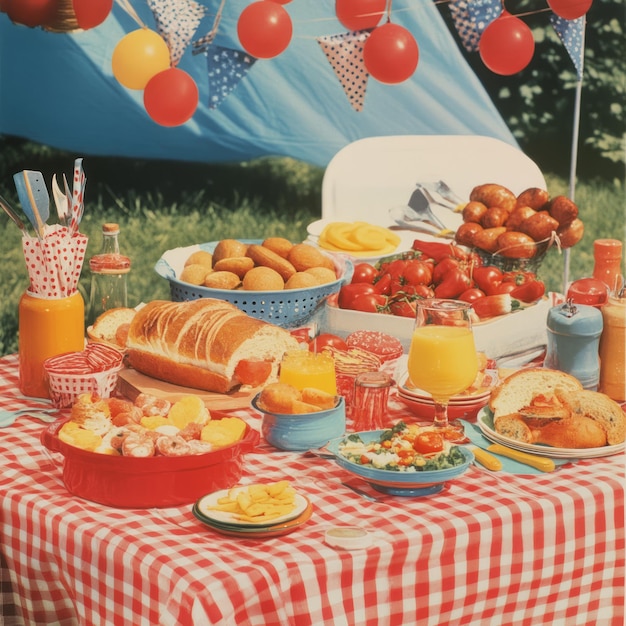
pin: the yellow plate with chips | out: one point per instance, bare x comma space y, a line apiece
252, 506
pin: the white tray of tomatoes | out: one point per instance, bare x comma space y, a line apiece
510, 308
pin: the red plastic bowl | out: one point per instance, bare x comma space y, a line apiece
155, 482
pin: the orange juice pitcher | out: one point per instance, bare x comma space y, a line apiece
47, 327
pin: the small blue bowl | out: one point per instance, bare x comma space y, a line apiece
302, 431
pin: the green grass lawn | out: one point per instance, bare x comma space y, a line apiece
166, 208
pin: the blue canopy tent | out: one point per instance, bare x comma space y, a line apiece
58, 88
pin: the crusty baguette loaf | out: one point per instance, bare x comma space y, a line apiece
200, 343
519, 389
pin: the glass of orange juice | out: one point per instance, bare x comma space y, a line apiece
302, 368
442, 356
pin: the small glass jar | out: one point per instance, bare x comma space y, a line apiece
371, 396
47, 327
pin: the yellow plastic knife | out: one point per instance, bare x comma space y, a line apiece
541, 463
487, 460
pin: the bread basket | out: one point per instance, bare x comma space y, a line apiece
289, 308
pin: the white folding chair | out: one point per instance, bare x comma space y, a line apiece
368, 177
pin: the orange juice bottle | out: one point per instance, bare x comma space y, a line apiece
47, 327
613, 349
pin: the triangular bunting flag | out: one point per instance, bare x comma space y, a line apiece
227, 68
177, 21
572, 35
345, 54
471, 17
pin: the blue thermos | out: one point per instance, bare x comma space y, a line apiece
573, 341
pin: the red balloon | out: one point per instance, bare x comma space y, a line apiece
390, 53
360, 14
264, 29
31, 12
91, 13
171, 97
506, 45
570, 9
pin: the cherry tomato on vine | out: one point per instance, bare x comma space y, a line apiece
417, 272
349, 292
443, 268
403, 308
502, 288
530, 291
396, 268
383, 284
487, 277
364, 273
471, 295
369, 302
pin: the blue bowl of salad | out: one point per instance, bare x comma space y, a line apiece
390, 462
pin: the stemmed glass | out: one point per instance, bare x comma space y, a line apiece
442, 356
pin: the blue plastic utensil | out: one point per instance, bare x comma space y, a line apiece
8, 418
33, 195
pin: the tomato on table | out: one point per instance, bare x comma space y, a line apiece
317, 344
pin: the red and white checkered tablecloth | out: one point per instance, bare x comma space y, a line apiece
491, 548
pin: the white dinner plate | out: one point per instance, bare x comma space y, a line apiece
224, 517
485, 423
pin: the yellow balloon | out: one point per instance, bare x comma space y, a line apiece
138, 57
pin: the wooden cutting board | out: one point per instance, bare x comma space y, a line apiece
131, 383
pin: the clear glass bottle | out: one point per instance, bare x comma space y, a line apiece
109, 272
607, 254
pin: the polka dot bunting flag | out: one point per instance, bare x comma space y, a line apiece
227, 68
570, 33
177, 21
471, 17
345, 54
